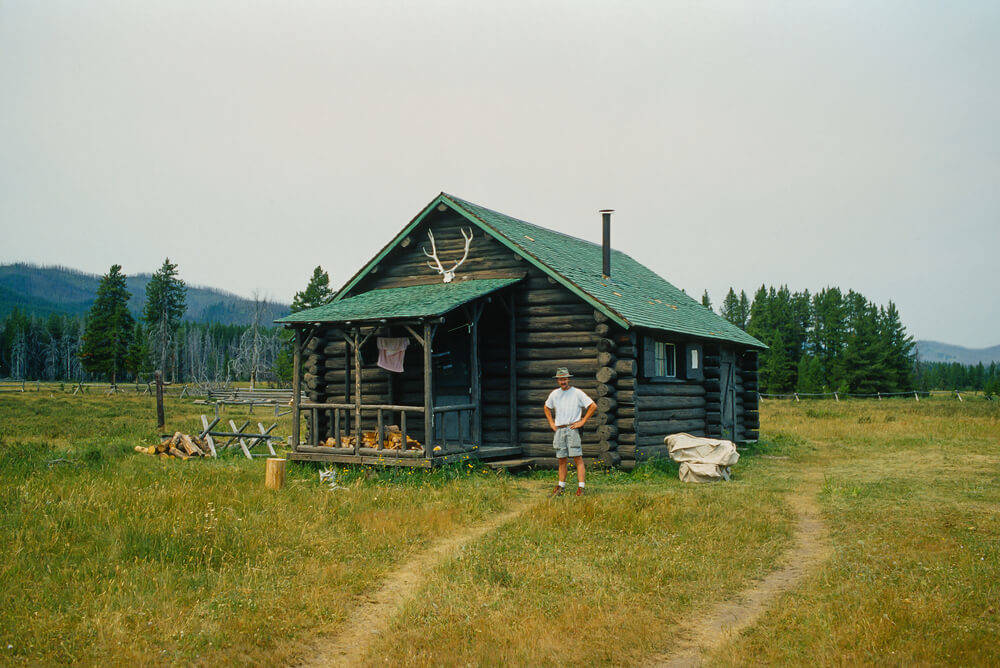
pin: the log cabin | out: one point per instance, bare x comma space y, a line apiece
487, 306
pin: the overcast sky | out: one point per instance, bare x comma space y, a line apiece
813, 144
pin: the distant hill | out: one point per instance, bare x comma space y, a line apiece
935, 351
45, 290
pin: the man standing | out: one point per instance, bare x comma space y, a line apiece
568, 403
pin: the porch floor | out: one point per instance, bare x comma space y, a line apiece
485, 453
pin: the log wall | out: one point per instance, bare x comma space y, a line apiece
555, 328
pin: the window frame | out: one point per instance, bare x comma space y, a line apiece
650, 348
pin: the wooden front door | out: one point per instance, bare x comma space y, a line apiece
727, 393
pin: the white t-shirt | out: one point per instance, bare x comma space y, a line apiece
568, 404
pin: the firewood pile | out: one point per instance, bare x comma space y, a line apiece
181, 446
392, 440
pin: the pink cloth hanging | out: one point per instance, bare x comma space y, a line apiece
391, 352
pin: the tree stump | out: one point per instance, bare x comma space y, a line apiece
274, 473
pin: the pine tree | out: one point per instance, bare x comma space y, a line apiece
109, 326
899, 349
864, 360
810, 375
166, 297
317, 292
744, 310
730, 308
706, 301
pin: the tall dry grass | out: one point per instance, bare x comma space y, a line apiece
111, 556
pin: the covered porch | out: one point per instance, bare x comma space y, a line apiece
430, 414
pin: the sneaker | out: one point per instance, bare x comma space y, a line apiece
557, 491
579, 491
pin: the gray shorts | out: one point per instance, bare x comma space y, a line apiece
566, 441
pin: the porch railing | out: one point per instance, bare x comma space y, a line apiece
339, 420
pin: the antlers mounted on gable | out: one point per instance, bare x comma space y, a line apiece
448, 274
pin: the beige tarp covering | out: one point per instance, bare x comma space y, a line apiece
702, 459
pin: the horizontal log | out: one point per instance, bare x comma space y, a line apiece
587, 437
671, 389
607, 431
605, 345
751, 435
606, 404
605, 390
623, 383
368, 373
666, 427
547, 369
627, 351
553, 296
602, 329
625, 397
587, 384
712, 397
572, 323
541, 424
658, 420
625, 367
574, 352
600, 317
554, 339
560, 310
662, 403
710, 372
605, 374
675, 414
605, 359
314, 344
626, 438
607, 445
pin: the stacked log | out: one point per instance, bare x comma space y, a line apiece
713, 403
180, 446
496, 384
751, 400
617, 378
554, 328
613, 363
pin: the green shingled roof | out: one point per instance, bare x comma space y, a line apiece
417, 301
634, 296
634, 293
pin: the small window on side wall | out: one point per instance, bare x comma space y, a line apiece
660, 360
693, 362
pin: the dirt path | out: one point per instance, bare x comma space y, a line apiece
723, 622
371, 617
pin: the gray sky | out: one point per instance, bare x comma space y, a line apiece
813, 144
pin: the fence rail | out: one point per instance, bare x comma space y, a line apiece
916, 394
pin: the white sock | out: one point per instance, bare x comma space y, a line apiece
582, 484
562, 483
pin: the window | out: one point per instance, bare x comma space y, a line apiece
660, 359
666, 360
694, 358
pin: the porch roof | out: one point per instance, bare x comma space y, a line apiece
415, 301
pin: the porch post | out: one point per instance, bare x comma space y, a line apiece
512, 333
296, 387
357, 391
477, 398
428, 393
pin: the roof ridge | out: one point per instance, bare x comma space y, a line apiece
523, 222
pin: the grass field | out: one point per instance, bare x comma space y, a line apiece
111, 556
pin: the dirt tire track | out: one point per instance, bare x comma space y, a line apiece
372, 616
726, 620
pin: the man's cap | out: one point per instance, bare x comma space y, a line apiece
563, 372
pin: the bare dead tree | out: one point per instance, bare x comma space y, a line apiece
257, 348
